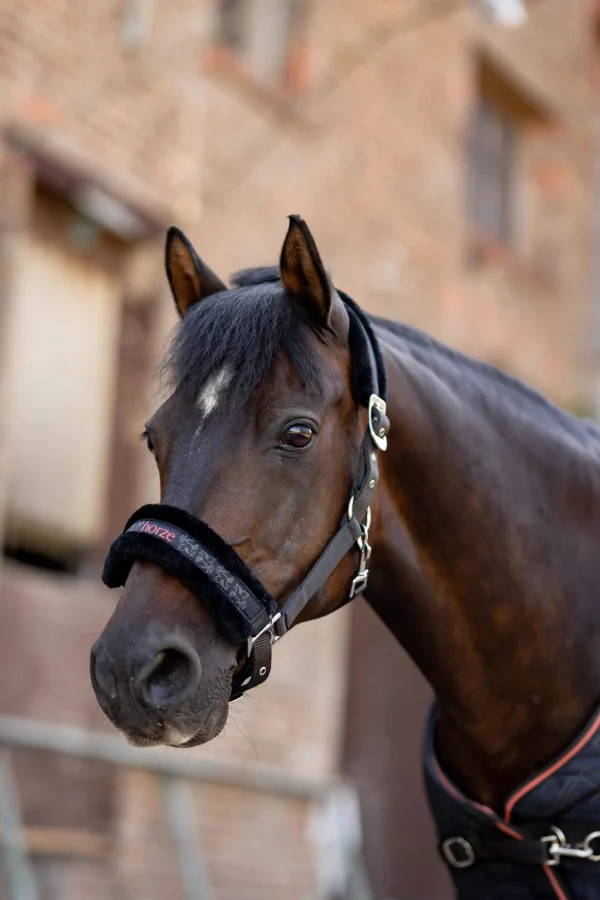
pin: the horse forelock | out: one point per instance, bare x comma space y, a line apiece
241, 331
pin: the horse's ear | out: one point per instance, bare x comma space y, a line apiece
303, 273
190, 280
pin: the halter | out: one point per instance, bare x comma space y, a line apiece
207, 565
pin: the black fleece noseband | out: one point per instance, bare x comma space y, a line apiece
189, 549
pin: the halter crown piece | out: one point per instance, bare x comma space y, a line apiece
190, 550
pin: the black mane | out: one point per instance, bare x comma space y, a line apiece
465, 373
261, 275
268, 321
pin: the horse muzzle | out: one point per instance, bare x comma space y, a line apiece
157, 692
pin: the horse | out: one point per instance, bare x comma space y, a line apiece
484, 525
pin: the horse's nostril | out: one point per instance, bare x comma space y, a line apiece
170, 677
101, 673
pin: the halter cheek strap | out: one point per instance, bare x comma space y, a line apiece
190, 550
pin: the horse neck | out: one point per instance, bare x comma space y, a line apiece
484, 568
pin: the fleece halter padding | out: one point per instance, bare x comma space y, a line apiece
195, 554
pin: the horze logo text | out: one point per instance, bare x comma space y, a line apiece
156, 530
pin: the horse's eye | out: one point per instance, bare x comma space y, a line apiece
298, 436
146, 437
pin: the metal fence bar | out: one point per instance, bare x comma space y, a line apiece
358, 887
19, 871
84, 744
179, 814
176, 768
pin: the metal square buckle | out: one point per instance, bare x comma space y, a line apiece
377, 403
458, 852
270, 627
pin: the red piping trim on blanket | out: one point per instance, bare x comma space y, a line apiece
503, 826
551, 769
555, 885
508, 830
547, 870
452, 789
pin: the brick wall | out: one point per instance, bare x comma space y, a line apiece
136, 114
374, 159
532, 314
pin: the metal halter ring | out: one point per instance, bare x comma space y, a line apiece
468, 854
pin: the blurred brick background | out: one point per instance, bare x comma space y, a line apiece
447, 166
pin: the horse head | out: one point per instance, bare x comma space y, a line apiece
258, 439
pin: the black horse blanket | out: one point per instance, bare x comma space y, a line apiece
546, 843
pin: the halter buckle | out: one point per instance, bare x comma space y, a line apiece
270, 628
375, 402
359, 583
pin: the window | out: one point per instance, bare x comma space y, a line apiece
491, 175
231, 24
136, 23
511, 13
262, 34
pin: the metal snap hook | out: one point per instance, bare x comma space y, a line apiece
559, 846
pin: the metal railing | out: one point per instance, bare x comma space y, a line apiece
176, 772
